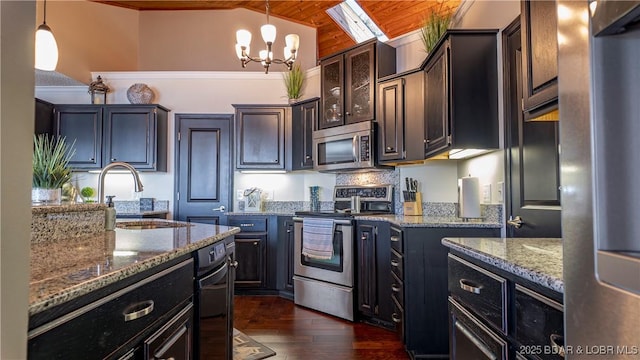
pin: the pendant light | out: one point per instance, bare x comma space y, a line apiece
46, 46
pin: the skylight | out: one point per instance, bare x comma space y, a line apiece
350, 16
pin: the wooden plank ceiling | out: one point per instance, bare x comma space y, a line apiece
394, 18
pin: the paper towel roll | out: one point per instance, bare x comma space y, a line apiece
469, 197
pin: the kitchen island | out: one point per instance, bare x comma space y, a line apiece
124, 293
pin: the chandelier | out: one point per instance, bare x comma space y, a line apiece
268, 31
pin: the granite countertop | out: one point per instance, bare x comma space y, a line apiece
64, 269
431, 221
536, 259
260, 213
147, 212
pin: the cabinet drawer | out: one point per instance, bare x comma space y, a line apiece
396, 264
249, 225
480, 290
101, 327
470, 339
396, 240
397, 289
398, 318
539, 322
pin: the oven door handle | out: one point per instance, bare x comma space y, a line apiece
335, 221
214, 277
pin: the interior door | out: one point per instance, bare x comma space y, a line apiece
532, 160
204, 177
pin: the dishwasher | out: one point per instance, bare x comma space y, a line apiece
214, 301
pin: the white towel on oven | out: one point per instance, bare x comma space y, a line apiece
317, 238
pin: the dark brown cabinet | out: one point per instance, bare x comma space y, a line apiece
120, 320
348, 81
285, 256
256, 253
461, 93
136, 134
174, 340
400, 118
261, 133
419, 267
539, 21
494, 314
304, 120
374, 272
43, 117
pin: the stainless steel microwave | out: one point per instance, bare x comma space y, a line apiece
345, 148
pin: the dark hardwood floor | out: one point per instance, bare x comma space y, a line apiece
294, 332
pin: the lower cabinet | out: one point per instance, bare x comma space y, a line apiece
256, 253
285, 256
497, 315
123, 322
419, 269
373, 272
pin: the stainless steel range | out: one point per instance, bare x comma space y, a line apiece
324, 279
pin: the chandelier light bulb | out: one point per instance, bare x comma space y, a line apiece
243, 38
239, 51
292, 41
46, 49
263, 54
287, 53
268, 33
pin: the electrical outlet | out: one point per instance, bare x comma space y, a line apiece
500, 192
268, 194
240, 195
486, 193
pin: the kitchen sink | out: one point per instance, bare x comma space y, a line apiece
144, 225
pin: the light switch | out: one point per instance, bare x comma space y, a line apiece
500, 192
240, 195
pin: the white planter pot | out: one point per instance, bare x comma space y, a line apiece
40, 196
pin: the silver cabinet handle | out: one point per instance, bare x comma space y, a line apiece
516, 223
137, 314
394, 263
395, 318
468, 285
233, 264
247, 225
395, 288
395, 239
557, 348
221, 208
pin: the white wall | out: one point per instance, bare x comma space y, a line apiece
17, 24
437, 179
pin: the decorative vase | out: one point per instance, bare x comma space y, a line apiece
41, 196
140, 94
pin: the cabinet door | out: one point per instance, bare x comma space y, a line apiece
82, 125
174, 339
304, 119
437, 100
540, 52
260, 137
130, 136
332, 87
251, 256
367, 272
391, 120
469, 339
360, 81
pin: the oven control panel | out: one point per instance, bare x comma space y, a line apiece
366, 193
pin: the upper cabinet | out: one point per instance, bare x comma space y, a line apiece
348, 81
461, 93
400, 118
540, 59
275, 137
102, 134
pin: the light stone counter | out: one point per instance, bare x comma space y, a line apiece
536, 259
65, 268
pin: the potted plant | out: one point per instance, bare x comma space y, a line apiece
51, 168
434, 26
294, 81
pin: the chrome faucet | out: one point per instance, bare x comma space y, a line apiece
137, 186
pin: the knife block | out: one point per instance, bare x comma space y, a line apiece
413, 207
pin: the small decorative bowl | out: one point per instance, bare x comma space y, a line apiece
140, 94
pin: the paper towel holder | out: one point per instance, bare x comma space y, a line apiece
469, 198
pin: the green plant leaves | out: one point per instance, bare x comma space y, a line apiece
294, 81
51, 161
435, 25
